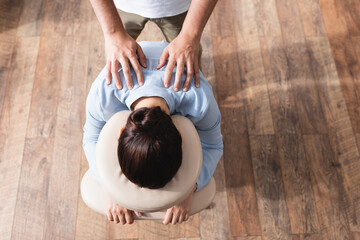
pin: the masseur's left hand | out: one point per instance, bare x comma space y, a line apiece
182, 51
179, 213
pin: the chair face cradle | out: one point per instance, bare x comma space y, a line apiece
151, 202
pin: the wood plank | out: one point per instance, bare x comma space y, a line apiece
282, 102
31, 18
256, 98
356, 235
344, 54
311, 18
153, 230
328, 187
273, 213
341, 133
297, 184
190, 228
38, 152
267, 19
352, 16
67, 18
315, 236
128, 231
65, 162
9, 18
300, 73
248, 238
13, 124
240, 185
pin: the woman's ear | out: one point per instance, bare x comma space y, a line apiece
122, 129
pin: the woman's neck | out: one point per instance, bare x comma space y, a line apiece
151, 102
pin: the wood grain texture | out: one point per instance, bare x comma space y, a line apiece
315, 236
269, 188
30, 23
352, 16
328, 187
344, 54
61, 210
252, 76
30, 212
248, 238
300, 73
9, 18
340, 131
297, 184
356, 235
13, 124
243, 209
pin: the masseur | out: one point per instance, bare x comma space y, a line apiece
197, 104
181, 21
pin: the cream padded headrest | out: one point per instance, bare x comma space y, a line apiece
129, 195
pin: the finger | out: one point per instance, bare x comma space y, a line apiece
179, 74
175, 218
181, 218
136, 66
186, 217
108, 72
197, 73
127, 72
109, 216
168, 216
189, 75
138, 214
168, 72
142, 56
115, 217
122, 218
163, 57
115, 74
129, 217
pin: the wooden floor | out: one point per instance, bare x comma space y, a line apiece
286, 74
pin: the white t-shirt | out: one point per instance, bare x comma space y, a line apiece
153, 8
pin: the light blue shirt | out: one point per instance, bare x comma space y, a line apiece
197, 104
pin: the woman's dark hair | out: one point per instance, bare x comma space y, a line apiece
149, 149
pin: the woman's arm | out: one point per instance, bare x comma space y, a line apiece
211, 142
92, 128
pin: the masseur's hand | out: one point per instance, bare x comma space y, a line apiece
182, 51
120, 214
120, 48
179, 213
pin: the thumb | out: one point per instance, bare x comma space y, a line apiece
164, 56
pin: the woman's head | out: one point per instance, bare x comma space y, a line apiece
149, 149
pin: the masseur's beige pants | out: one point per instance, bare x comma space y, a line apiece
169, 26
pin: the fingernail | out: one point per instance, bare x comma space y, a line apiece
185, 89
198, 85
141, 83
118, 87
176, 89
130, 87
166, 85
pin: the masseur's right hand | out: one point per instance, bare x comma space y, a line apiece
120, 48
120, 214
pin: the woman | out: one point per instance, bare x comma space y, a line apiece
149, 134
